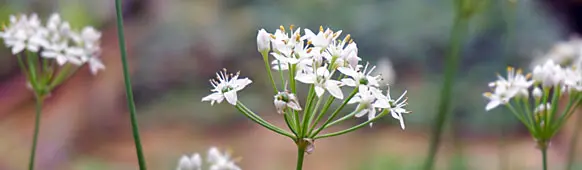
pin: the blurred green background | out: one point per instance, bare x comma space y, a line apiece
176, 46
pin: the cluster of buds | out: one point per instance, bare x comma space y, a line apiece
48, 53
535, 97
327, 65
216, 161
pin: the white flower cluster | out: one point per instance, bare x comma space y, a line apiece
545, 77
216, 160
563, 53
53, 40
318, 58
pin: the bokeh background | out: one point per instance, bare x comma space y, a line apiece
175, 46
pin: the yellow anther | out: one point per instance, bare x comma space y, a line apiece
528, 75
291, 27
272, 36
347, 38
320, 28
487, 94
282, 28
309, 42
309, 50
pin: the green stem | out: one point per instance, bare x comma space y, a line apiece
300, 155
128, 90
353, 128
265, 55
573, 143
458, 32
327, 123
321, 113
251, 115
39, 101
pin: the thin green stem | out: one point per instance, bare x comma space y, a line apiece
23, 66
128, 90
292, 78
353, 128
574, 143
312, 116
63, 74
39, 101
457, 33
265, 55
251, 115
307, 110
289, 122
328, 103
32, 64
327, 123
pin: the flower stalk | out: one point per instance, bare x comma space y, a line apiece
128, 88
458, 32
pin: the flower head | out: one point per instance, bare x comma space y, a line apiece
396, 106
226, 87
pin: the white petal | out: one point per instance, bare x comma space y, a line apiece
196, 161
305, 78
214, 155
18, 47
348, 71
319, 91
185, 164
213, 97
362, 112
231, 97
349, 82
334, 89
492, 104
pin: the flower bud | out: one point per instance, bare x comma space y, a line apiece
284, 100
263, 41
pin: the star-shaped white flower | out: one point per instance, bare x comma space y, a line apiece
367, 102
321, 79
226, 87
360, 77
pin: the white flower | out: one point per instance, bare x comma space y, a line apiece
360, 77
284, 100
321, 79
24, 32
549, 74
220, 161
573, 79
396, 106
263, 41
190, 163
226, 86
59, 34
340, 56
504, 89
323, 38
367, 103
